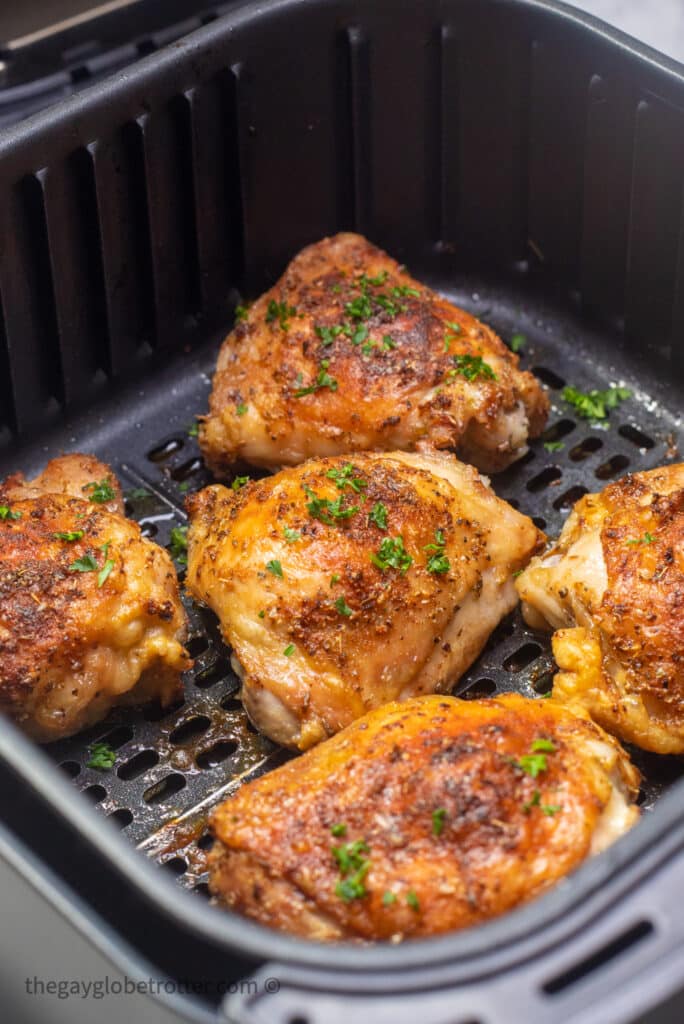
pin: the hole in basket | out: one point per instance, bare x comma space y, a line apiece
544, 479
176, 865
612, 467
202, 889
231, 703
164, 789
569, 497
206, 841
480, 688
95, 793
70, 768
190, 729
197, 645
148, 529
636, 436
586, 448
186, 469
154, 711
543, 682
165, 450
523, 657
137, 765
122, 817
212, 674
117, 737
527, 458
548, 377
216, 754
298, 1019
539, 522
557, 431
611, 951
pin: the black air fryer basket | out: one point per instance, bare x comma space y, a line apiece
519, 157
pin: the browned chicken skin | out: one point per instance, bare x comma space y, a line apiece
90, 613
343, 583
613, 587
421, 818
347, 352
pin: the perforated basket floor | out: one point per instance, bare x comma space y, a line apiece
173, 765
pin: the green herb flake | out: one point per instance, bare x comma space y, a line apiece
412, 900
192, 430
518, 342
291, 536
178, 544
533, 802
69, 536
344, 477
328, 334
281, 312
550, 809
275, 567
241, 408
86, 563
359, 335
438, 817
378, 515
554, 446
328, 512
102, 757
595, 405
289, 650
339, 829
353, 866
456, 328
532, 764
334, 579
323, 380
242, 312
472, 368
547, 746
100, 492
342, 607
262, 614
438, 562
647, 538
8, 513
184, 487
388, 898
239, 482
104, 572
392, 555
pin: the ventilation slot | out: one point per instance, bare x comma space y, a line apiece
523, 657
611, 468
585, 448
546, 478
164, 789
637, 437
138, 765
568, 499
548, 377
610, 952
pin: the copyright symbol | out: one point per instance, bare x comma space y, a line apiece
272, 985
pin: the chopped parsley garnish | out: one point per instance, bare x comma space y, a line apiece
323, 380
334, 579
104, 572
8, 513
438, 817
353, 867
339, 829
375, 282
388, 898
100, 492
193, 429
239, 482
595, 405
289, 650
345, 478
532, 764
342, 607
102, 757
69, 536
178, 544
533, 802
86, 563
291, 536
548, 809
329, 512
281, 312
412, 900
328, 334
392, 555
438, 562
275, 567
647, 538
472, 367
548, 746
456, 328
388, 342
554, 446
518, 342
184, 487
359, 308
262, 614
360, 335
378, 515
242, 312
402, 291
241, 408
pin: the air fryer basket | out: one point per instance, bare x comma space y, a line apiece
520, 158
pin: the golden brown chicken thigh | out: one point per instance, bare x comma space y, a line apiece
342, 584
90, 613
613, 587
421, 818
347, 352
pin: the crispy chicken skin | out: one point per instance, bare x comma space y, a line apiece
320, 633
440, 792
613, 587
390, 382
76, 641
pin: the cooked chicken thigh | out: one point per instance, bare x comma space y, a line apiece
347, 352
616, 578
421, 818
90, 613
343, 584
